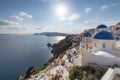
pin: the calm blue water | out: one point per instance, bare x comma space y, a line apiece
19, 52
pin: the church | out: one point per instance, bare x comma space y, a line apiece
101, 48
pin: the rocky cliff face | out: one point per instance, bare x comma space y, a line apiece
64, 44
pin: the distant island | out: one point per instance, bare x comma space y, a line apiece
52, 34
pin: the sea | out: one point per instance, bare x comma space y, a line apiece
19, 52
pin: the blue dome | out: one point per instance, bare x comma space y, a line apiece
103, 35
101, 26
87, 34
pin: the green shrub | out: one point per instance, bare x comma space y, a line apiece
47, 63
75, 73
36, 70
86, 73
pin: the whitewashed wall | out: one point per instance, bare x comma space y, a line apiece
118, 44
101, 29
100, 60
109, 44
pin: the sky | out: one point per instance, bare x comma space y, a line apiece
68, 16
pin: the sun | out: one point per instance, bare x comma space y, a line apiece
61, 10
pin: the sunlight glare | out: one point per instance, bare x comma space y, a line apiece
61, 10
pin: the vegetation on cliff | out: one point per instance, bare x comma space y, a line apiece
35, 70
88, 72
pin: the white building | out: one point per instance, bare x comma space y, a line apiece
101, 48
103, 40
115, 30
86, 42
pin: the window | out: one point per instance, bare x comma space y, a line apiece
117, 38
103, 45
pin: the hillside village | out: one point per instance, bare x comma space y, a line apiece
96, 49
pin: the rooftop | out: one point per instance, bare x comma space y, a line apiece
105, 35
87, 34
101, 26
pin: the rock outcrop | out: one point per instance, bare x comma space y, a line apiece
64, 44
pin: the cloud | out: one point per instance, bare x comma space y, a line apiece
18, 29
24, 14
13, 27
89, 22
104, 7
41, 27
114, 4
16, 18
7, 22
74, 17
86, 21
107, 6
71, 18
20, 16
63, 19
87, 10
